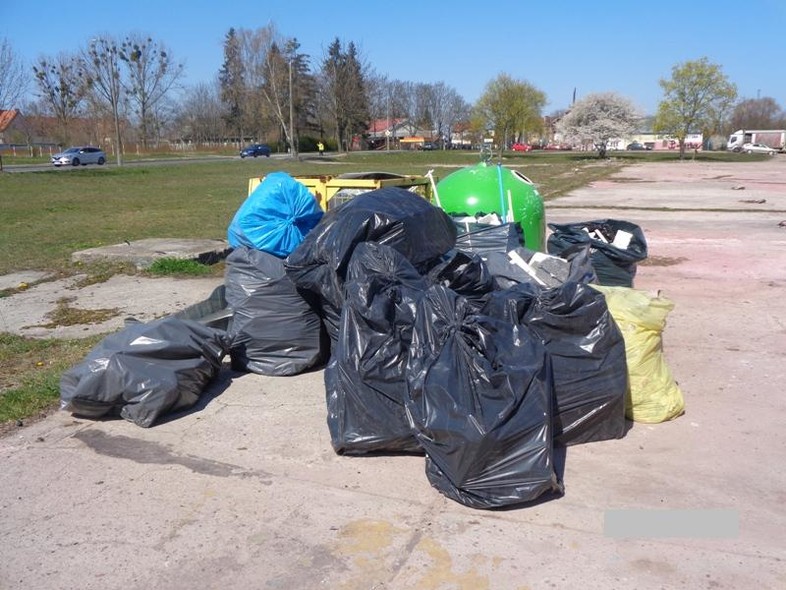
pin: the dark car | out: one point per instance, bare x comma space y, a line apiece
429, 146
636, 146
254, 150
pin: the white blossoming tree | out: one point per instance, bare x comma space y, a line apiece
597, 118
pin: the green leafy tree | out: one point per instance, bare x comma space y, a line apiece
697, 98
344, 95
510, 107
596, 118
233, 87
61, 86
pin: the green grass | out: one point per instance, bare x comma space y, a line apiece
48, 215
31, 369
178, 268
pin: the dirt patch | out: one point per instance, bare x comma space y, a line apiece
65, 315
662, 261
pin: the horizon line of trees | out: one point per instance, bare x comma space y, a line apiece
267, 89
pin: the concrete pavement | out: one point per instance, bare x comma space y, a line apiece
244, 491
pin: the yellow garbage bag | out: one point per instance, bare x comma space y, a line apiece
654, 396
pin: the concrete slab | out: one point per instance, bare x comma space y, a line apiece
27, 312
142, 253
245, 491
22, 279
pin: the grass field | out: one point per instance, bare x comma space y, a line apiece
45, 216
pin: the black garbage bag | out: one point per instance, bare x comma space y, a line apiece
479, 399
586, 348
506, 273
465, 273
484, 239
365, 380
145, 370
213, 311
391, 216
274, 330
617, 247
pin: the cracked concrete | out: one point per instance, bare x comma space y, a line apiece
159, 510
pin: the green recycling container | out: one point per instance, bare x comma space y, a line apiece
492, 188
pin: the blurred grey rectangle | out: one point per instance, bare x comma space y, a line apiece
708, 524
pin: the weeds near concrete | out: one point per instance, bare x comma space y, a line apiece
177, 267
30, 370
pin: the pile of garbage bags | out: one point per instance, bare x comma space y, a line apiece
617, 247
438, 337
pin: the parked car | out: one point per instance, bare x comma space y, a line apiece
80, 155
254, 150
757, 148
636, 146
521, 147
429, 146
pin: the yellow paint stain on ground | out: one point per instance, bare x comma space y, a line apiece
368, 546
366, 536
439, 573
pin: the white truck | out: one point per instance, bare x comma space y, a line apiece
774, 138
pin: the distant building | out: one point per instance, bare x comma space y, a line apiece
397, 134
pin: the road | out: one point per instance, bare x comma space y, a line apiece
16, 168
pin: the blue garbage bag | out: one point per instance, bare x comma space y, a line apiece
275, 217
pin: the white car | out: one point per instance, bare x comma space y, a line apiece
75, 156
757, 148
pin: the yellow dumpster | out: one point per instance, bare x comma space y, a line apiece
331, 191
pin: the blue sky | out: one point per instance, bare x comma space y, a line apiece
557, 45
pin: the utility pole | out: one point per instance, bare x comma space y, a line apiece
387, 130
293, 146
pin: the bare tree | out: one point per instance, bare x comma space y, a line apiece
101, 64
403, 101
446, 108
270, 62
758, 113
61, 86
199, 118
597, 118
151, 75
13, 80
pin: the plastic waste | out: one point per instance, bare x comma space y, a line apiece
480, 398
586, 348
275, 330
616, 247
365, 380
391, 216
654, 394
144, 371
275, 217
